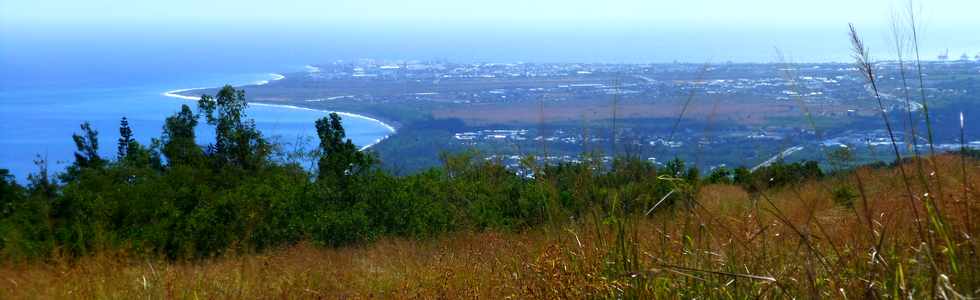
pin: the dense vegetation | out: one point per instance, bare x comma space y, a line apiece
176, 200
181, 200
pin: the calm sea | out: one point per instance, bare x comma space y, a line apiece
42, 104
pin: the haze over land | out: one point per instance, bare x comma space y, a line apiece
166, 45
507, 149
187, 33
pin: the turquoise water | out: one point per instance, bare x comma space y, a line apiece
39, 115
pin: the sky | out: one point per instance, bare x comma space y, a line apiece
522, 30
755, 12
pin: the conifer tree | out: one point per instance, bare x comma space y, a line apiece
125, 139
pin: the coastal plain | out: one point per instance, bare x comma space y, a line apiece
697, 112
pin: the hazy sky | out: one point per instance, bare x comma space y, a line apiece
710, 29
787, 12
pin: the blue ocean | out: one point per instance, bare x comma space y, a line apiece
46, 94
54, 77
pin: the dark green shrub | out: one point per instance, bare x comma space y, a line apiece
844, 196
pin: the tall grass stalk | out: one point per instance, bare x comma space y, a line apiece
938, 219
866, 66
862, 58
930, 197
876, 241
913, 26
899, 39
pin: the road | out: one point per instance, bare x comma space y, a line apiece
777, 157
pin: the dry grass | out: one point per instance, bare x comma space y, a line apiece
726, 247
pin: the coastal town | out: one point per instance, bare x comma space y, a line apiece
660, 111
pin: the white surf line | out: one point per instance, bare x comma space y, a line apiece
346, 114
175, 94
312, 69
276, 76
329, 98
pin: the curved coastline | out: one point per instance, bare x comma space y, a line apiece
174, 94
346, 114
276, 76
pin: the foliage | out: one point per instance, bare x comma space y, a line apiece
178, 200
970, 152
778, 174
179, 138
10, 193
721, 175
339, 158
237, 141
844, 196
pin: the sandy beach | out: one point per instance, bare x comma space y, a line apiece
276, 76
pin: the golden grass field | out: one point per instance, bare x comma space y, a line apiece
731, 245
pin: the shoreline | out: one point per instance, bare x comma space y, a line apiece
174, 93
275, 77
346, 114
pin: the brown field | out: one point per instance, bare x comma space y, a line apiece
730, 245
738, 111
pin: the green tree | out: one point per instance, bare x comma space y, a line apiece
86, 153
41, 183
339, 157
721, 175
25, 232
237, 142
178, 137
125, 139
87, 144
742, 176
674, 168
10, 193
841, 158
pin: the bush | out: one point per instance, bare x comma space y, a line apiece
177, 200
844, 196
777, 175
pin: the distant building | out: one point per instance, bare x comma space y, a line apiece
964, 57
944, 56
